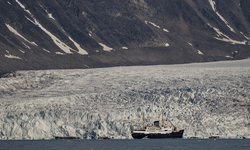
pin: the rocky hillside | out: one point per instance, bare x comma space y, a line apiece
54, 34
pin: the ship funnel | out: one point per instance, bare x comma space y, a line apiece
157, 123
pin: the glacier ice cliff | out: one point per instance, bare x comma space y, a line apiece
204, 99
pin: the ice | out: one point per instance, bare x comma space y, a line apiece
204, 99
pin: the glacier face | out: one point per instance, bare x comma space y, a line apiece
204, 99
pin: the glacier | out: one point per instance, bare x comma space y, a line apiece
205, 99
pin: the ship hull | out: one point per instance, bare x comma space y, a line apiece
173, 135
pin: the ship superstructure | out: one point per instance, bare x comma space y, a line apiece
157, 131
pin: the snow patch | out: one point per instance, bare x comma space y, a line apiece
11, 56
18, 34
90, 33
105, 47
155, 25
30, 20
50, 16
167, 44
84, 13
21, 51
231, 41
152, 24
80, 50
46, 50
245, 36
60, 53
212, 3
222, 37
200, 53
22, 6
228, 56
165, 30
124, 47
58, 42
26, 45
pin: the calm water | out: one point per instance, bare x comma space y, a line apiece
147, 144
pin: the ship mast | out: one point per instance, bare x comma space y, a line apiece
162, 120
143, 120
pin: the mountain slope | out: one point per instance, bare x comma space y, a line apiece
58, 34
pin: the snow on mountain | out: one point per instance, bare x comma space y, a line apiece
15, 32
225, 38
204, 99
213, 5
80, 34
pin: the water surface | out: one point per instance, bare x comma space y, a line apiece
145, 144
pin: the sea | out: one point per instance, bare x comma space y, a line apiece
142, 144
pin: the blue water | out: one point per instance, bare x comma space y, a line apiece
145, 144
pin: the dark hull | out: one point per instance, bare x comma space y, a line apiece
173, 135
63, 138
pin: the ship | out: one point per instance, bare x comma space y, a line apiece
157, 131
